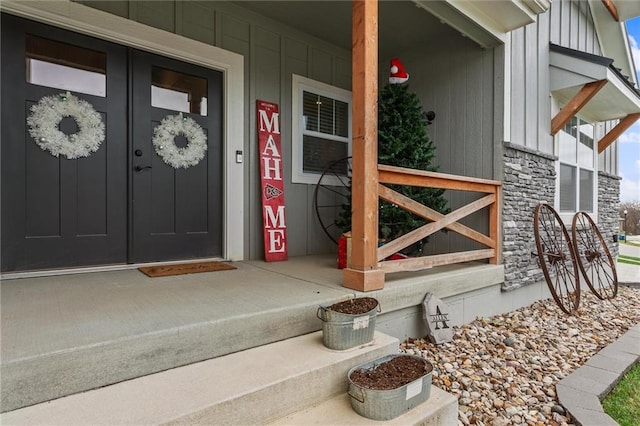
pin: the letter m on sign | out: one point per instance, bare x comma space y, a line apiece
272, 182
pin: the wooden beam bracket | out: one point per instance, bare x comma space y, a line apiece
585, 94
613, 10
615, 133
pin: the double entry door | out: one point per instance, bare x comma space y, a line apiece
110, 155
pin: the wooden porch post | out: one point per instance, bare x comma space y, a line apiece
495, 223
363, 273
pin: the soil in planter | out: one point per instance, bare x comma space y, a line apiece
357, 306
396, 372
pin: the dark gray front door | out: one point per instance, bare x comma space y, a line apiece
177, 212
59, 212
121, 203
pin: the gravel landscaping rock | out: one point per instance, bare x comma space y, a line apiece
504, 369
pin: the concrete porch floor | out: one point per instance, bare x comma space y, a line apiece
68, 333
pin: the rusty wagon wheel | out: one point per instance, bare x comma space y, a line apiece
594, 258
332, 191
557, 259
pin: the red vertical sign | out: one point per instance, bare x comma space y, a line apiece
272, 184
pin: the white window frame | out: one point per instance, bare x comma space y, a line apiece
299, 85
566, 216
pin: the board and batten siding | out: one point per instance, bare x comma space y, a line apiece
272, 52
579, 33
567, 23
570, 24
455, 78
608, 159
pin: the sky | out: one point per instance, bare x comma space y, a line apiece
629, 142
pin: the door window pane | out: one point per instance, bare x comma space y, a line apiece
177, 91
567, 188
64, 66
586, 190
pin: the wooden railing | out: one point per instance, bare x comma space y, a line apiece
401, 176
367, 267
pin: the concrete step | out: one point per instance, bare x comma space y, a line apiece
66, 334
254, 386
440, 409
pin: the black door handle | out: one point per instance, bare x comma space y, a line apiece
141, 168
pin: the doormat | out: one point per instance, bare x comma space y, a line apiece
184, 268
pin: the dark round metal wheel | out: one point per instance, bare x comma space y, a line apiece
557, 259
332, 192
594, 258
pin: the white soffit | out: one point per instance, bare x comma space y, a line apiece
627, 9
570, 70
488, 21
613, 34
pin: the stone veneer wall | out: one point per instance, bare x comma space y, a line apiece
529, 179
608, 204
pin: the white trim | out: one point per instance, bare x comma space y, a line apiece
86, 20
298, 84
507, 90
486, 22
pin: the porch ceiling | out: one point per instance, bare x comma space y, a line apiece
402, 24
406, 24
627, 9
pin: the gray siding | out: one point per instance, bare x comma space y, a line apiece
568, 23
529, 100
608, 159
455, 79
572, 26
272, 54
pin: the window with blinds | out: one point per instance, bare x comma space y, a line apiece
577, 165
321, 128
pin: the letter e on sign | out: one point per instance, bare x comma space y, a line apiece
271, 182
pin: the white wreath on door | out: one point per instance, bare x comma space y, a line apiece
44, 126
165, 146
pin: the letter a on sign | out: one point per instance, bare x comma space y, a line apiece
272, 184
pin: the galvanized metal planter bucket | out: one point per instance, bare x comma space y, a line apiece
388, 404
344, 331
